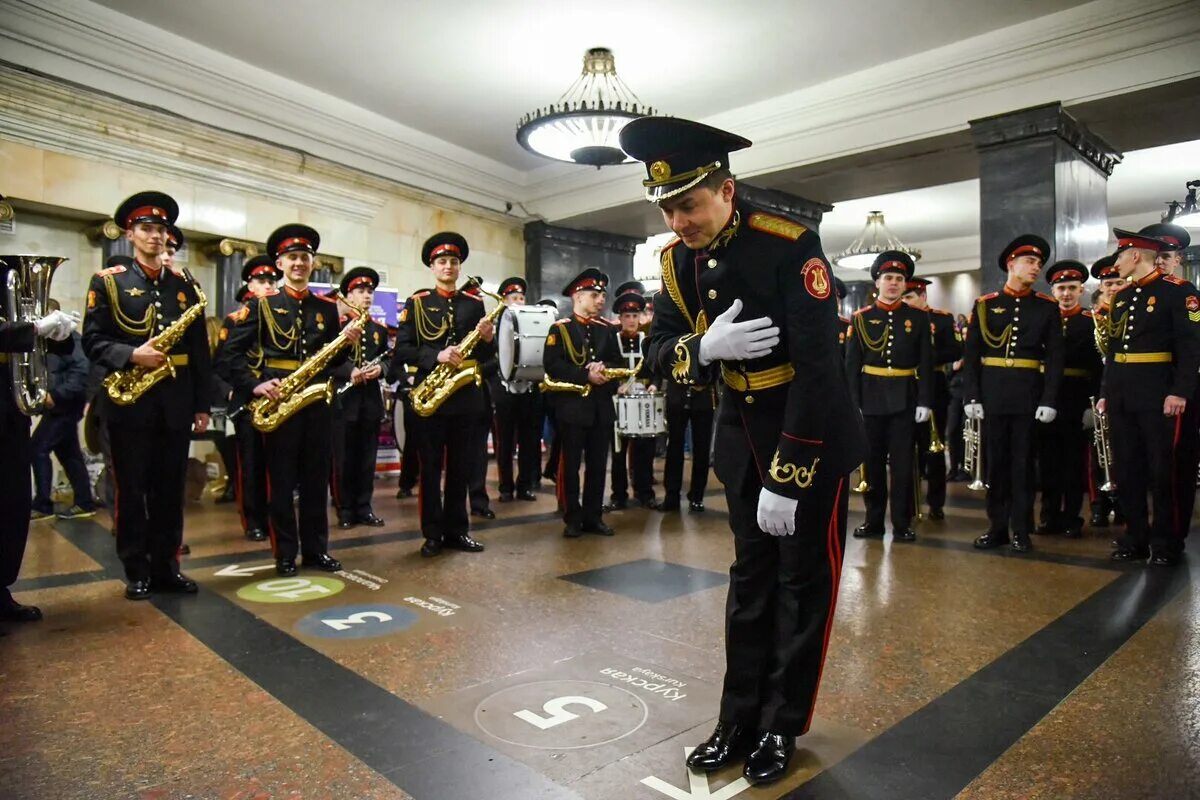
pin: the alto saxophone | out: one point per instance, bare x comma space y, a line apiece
427, 396
295, 393
548, 384
126, 386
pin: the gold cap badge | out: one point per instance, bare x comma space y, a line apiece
660, 170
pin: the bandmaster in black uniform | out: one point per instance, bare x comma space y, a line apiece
787, 436
1012, 367
127, 307
889, 364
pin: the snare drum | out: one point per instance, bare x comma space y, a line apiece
521, 340
641, 416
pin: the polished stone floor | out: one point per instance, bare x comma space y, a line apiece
553, 668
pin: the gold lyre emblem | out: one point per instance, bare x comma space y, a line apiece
820, 285
660, 170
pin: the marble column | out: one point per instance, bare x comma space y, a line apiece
230, 255
111, 240
554, 255
1041, 171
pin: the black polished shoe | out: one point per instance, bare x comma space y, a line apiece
695, 507
137, 590
1161, 559
13, 611
1099, 520
770, 758
323, 562
1048, 529
1020, 543
598, 528
402, 493
905, 535
370, 519
256, 535
670, 503
864, 532
285, 567
527, 496
465, 543
618, 504
936, 513
346, 522
506, 497
991, 540
650, 503
431, 548
571, 532
728, 742
1073, 532
1123, 553
184, 550
177, 583
486, 513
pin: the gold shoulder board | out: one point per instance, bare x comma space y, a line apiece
777, 226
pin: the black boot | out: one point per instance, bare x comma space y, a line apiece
728, 742
770, 758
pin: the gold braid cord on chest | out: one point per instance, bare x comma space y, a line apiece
992, 341
134, 327
578, 357
873, 345
281, 338
426, 329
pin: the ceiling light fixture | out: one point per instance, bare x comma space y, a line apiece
1185, 213
874, 239
583, 125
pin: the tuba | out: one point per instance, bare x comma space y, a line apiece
427, 397
28, 284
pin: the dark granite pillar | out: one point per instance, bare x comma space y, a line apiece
1041, 172
788, 205
554, 255
858, 294
111, 240
230, 255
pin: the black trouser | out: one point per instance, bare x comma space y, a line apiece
589, 446
701, 420
954, 432
481, 426
933, 465
1188, 453
149, 465
634, 457
15, 495
59, 434
298, 456
1008, 460
1062, 465
890, 442
227, 449
1146, 458
444, 446
519, 430
250, 486
780, 607
410, 458
354, 465
554, 456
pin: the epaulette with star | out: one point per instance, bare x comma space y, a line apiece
1046, 297
987, 297
1174, 279
864, 308
940, 311
421, 293
114, 270
776, 226
325, 297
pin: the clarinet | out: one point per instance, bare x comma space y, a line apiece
374, 362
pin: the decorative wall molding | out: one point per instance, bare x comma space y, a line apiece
1044, 121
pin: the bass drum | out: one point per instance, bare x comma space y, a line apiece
522, 339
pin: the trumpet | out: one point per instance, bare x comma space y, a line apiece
935, 438
973, 453
1100, 436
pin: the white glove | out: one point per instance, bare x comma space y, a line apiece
776, 513
973, 410
922, 414
56, 325
1089, 420
726, 340
1045, 414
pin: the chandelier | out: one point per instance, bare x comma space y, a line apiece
874, 239
583, 125
1185, 212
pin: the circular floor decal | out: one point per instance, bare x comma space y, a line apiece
357, 622
561, 715
290, 590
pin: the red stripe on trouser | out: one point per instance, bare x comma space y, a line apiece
833, 549
1175, 499
270, 516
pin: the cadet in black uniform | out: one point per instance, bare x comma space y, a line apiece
432, 325
889, 364
359, 407
477, 495
16, 454
250, 479
1063, 444
634, 456
1012, 368
288, 327
577, 351
403, 375
518, 421
1150, 372
1111, 282
947, 349
787, 435
126, 308
687, 405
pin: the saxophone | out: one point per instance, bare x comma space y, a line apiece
126, 386
267, 414
548, 384
427, 397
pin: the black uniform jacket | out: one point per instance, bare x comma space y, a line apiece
1081, 363
571, 345
232, 398
272, 335
432, 321
789, 414
889, 358
947, 342
1013, 356
1154, 343
364, 401
125, 308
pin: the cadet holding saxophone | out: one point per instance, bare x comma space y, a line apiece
140, 329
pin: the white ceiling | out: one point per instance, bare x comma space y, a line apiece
465, 71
